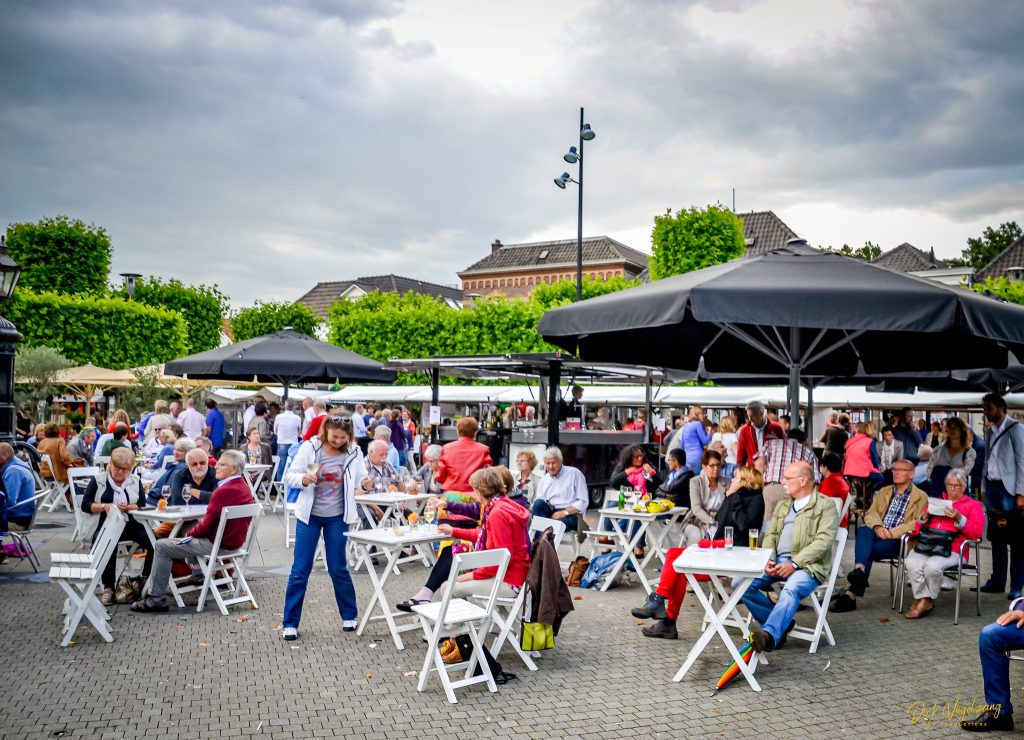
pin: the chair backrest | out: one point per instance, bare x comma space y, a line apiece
837, 553
845, 509
468, 561
237, 512
540, 523
79, 477
106, 540
35, 501
49, 468
102, 460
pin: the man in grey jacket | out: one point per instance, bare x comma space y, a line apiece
1004, 495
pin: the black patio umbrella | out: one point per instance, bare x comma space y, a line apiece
286, 357
795, 312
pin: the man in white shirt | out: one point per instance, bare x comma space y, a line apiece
192, 422
359, 428
286, 427
562, 492
307, 414
250, 412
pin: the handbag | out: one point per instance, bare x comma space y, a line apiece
576, 570
535, 635
935, 542
128, 589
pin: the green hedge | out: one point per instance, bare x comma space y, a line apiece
109, 332
266, 318
60, 255
201, 306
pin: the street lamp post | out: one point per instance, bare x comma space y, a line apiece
9, 337
575, 156
130, 281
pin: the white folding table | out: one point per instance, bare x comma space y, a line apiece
396, 506
740, 563
385, 539
179, 515
627, 544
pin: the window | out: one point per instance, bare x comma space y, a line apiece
543, 255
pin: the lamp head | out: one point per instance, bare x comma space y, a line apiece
572, 156
587, 133
563, 180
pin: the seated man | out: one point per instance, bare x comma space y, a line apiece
893, 513
802, 532
197, 474
383, 434
83, 445
182, 446
561, 492
676, 485
20, 487
232, 491
994, 643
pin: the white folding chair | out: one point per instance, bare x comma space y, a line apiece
78, 480
21, 537
277, 488
79, 574
102, 461
224, 572
56, 488
821, 597
453, 616
540, 524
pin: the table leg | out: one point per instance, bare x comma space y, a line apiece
378, 581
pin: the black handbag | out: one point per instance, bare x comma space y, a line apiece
935, 542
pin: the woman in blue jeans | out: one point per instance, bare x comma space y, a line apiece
328, 468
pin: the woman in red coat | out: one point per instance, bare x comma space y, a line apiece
463, 457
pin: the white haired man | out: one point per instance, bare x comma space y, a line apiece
561, 492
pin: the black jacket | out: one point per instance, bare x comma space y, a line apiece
678, 490
743, 511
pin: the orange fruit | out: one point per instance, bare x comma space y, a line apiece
413, 517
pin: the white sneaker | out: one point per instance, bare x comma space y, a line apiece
948, 584
349, 625
290, 633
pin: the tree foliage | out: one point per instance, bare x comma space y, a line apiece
982, 250
201, 306
693, 238
266, 318
137, 399
109, 332
564, 291
867, 253
60, 255
36, 369
1002, 288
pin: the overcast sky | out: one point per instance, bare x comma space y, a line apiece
268, 146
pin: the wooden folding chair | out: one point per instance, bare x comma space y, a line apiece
79, 575
454, 616
224, 572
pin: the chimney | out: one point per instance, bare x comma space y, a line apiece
495, 245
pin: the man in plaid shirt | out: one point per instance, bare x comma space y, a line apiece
892, 514
777, 454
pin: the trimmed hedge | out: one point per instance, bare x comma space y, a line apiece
109, 332
60, 255
202, 307
267, 318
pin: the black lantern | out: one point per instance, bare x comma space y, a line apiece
130, 280
9, 336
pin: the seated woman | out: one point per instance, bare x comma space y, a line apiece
152, 486
119, 439
632, 470
256, 451
155, 470
861, 461
743, 510
118, 490
427, 473
60, 459
467, 514
503, 524
526, 475
707, 493
964, 519
833, 484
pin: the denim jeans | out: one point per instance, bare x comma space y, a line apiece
775, 618
307, 536
694, 467
993, 642
870, 548
282, 454
544, 509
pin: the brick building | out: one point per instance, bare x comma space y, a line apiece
514, 269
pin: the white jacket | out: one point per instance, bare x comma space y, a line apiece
355, 474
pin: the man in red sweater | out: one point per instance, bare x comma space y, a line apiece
463, 457
753, 435
231, 491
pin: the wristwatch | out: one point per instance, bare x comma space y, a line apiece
796, 565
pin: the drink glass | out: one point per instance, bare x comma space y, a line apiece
728, 538
186, 493
313, 468
429, 513
712, 529
165, 493
754, 535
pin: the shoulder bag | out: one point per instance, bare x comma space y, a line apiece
935, 542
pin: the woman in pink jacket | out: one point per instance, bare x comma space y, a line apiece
964, 519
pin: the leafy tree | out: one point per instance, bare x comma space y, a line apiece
201, 306
136, 399
956, 262
867, 253
564, 291
982, 250
1002, 288
266, 318
37, 368
60, 255
692, 238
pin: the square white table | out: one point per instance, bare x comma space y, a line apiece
395, 504
385, 539
627, 545
740, 563
150, 518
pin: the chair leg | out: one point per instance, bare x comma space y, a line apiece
959, 580
478, 652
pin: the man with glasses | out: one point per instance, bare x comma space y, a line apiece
893, 513
801, 533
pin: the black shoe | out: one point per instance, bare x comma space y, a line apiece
503, 678
843, 604
654, 608
988, 722
989, 588
785, 635
858, 579
149, 606
406, 606
663, 628
761, 641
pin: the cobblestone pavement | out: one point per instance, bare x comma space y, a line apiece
194, 675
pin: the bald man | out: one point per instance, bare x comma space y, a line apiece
802, 531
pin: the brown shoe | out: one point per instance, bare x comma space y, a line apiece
454, 655
926, 605
916, 610
605, 541
446, 647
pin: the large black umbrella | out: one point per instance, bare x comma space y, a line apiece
793, 312
286, 357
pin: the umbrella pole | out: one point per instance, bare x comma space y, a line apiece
794, 377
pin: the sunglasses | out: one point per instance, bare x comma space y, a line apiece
339, 419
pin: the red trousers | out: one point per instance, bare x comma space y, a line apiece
672, 585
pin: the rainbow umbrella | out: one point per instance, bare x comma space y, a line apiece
734, 670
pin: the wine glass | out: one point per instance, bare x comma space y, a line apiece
429, 514
313, 468
165, 494
712, 529
186, 493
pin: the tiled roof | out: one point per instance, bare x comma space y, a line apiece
323, 295
908, 258
596, 250
1012, 256
764, 231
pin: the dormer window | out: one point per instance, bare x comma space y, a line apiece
543, 255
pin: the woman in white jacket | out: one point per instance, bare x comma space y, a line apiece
328, 468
